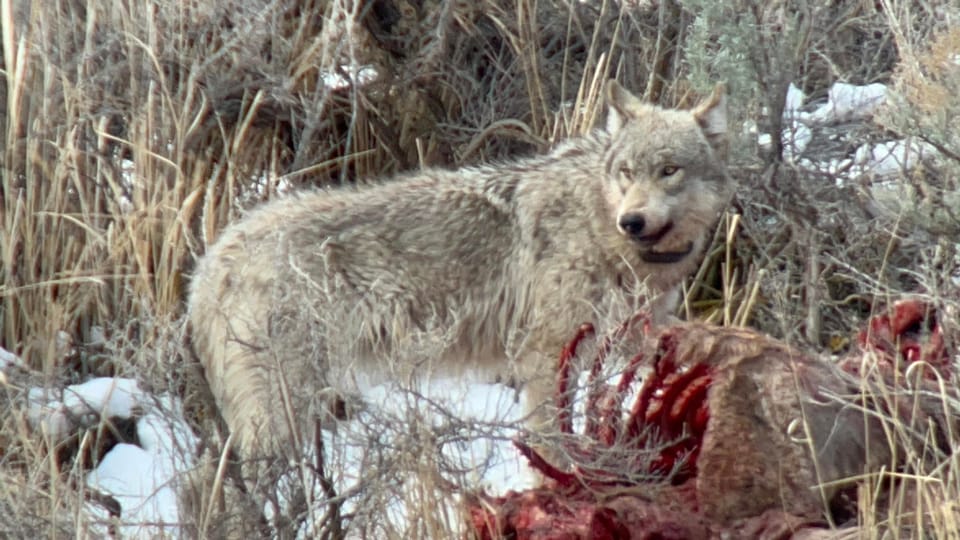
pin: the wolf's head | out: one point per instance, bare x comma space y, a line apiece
665, 173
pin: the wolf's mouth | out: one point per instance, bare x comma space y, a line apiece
656, 236
665, 257
649, 241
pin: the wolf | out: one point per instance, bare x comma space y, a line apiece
493, 265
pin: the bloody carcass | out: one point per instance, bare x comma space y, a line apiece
731, 433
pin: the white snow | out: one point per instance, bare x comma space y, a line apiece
473, 426
141, 481
348, 76
100, 397
796, 136
141, 477
845, 103
8, 359
793, 101
492, 405
891, 158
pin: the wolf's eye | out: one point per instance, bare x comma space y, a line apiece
626, 171
669, 170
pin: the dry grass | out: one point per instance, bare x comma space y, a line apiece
133, 132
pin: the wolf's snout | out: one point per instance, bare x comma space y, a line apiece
632, 225
636, 227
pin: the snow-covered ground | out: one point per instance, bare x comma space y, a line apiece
143, 477
846, 104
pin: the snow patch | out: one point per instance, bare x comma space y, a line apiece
846, 103
8, 359
103, 397
348, 76
891, 158
141, 478
141, 481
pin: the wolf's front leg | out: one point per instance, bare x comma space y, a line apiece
539, 403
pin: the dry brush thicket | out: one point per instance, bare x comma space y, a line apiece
134, 131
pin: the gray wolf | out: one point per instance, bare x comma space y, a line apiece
492, 266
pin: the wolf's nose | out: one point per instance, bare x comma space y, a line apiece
632, 224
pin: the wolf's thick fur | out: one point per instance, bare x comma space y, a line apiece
498, 265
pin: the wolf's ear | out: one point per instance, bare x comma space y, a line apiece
711, 114
621, 105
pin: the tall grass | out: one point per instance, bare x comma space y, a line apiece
135, 131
